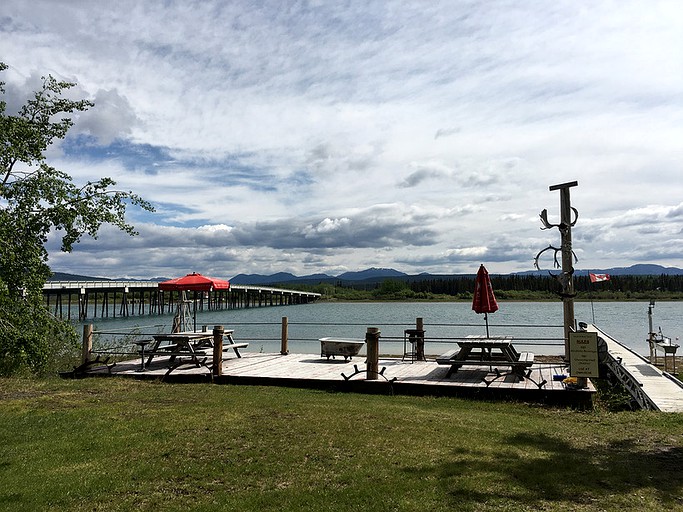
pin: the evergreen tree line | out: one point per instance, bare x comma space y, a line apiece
547, 283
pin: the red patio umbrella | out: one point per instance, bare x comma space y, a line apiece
194, 282
484, 300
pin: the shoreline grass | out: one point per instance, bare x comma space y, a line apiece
116, 444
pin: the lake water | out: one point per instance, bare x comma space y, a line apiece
536, 325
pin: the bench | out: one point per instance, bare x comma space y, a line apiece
519, 366
523, 363
166, 353
170, 346
160, 351
235, 346
449, 359
446, 357
526, 358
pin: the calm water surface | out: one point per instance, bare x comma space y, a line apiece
536, 326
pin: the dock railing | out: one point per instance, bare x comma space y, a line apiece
303, 337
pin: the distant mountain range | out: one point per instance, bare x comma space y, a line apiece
380, 274
286, 277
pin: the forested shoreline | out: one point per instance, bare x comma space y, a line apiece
508, 287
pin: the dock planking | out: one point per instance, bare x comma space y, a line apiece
397, 377
658, 389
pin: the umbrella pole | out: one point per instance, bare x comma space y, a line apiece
486, 319
194, 327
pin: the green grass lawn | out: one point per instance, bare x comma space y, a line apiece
115, 444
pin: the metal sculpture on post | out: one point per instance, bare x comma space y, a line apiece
568, 257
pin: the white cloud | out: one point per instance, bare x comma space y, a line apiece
309, 138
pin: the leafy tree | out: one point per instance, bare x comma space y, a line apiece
35, 201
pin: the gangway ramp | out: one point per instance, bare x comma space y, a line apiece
651, 387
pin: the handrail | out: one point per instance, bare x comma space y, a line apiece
77, 285
72, 285
304, 337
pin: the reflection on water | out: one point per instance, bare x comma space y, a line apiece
537, 326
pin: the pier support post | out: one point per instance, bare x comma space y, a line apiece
284, 342
372, 341
87, 343
218, 350
420, 340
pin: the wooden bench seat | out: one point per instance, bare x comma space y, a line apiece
203, 351
523, 364
234, 345
447, 357
184, 353
160, 350
526, 358
519, 367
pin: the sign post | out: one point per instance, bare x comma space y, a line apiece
583, 356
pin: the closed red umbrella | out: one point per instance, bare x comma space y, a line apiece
484, 300
196, 283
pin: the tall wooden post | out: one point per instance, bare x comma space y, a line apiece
218, 332
372, 341
284, 340
567, 260
420, 340
87, 343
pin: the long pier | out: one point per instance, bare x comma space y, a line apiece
130, 298
650, 387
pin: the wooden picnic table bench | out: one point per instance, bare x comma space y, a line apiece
235, 347
189, 344
487, 351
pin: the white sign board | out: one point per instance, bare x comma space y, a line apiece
583, 354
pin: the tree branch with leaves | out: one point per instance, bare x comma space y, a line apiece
36, 200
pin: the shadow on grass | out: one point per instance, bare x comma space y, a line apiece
534, 469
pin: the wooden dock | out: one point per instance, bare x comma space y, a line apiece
651, 387
395, 377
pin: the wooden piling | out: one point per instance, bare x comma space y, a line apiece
420, 340
284, 343
87, 343
372, 341
565, 228
218, 332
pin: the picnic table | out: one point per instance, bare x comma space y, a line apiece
192, 344
487, 351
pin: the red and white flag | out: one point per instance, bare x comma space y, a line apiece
598, 278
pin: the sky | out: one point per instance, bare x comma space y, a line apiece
332, 136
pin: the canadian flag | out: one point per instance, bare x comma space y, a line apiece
598, 278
